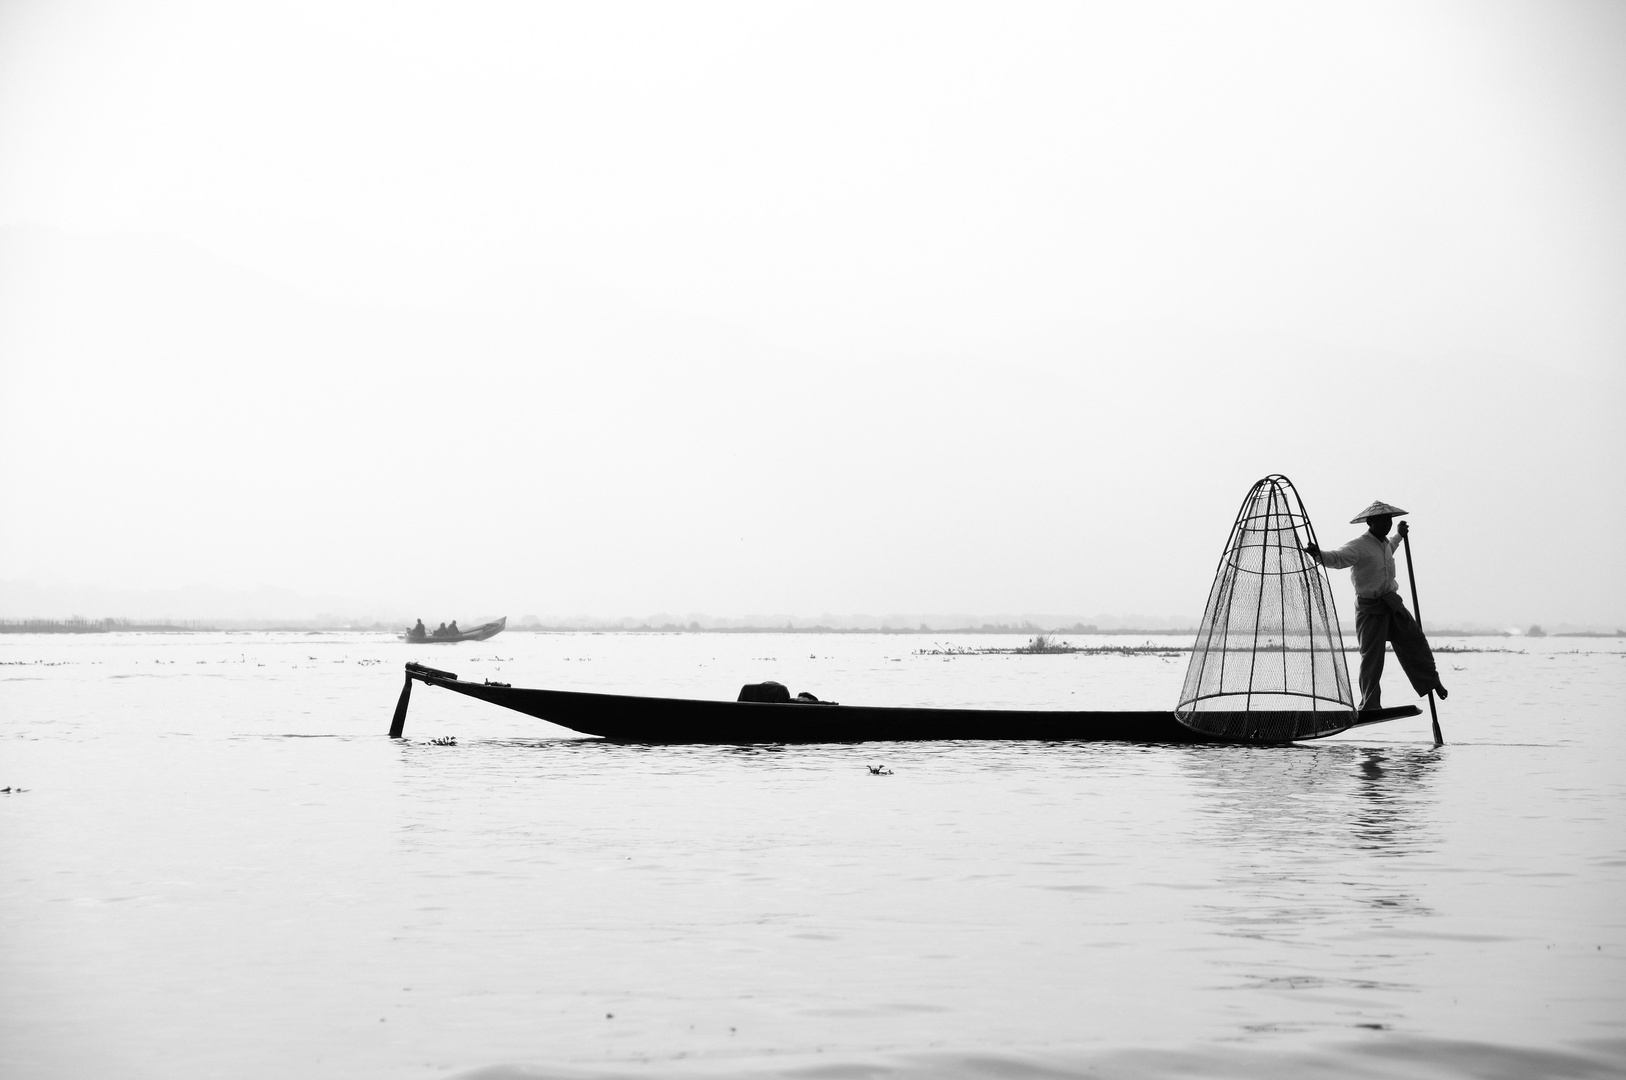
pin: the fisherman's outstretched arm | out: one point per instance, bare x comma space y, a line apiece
1337, 559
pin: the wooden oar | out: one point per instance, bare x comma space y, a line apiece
1417, 613
398, 721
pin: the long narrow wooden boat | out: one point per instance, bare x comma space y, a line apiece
478, 633
622, 718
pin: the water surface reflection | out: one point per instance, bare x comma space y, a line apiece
1319, 852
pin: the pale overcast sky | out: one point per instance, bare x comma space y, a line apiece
803, 308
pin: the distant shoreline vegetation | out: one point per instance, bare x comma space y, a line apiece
1046, 645
1041, 641
697, 628
104, 626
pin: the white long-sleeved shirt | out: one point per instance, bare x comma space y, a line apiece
1372, 563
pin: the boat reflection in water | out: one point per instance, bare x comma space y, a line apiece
1369, 798
1324, 853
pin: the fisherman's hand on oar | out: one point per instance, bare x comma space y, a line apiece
1404, 530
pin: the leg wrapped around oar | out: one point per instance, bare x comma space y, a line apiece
1380, 620
1412, 650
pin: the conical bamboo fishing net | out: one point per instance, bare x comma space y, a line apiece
1268, 664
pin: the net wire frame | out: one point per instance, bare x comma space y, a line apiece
1268, 663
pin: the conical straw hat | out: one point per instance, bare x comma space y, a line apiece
1379, 508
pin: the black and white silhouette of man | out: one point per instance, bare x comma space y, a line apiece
1380, 614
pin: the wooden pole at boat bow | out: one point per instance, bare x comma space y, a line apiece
1417, 613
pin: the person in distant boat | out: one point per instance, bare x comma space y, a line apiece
418, 631
440, 631
1380, 614
452, 630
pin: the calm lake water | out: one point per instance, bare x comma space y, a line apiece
220, 866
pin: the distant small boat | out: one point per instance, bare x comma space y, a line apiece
479, 633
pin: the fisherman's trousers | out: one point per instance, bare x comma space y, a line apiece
1386, 619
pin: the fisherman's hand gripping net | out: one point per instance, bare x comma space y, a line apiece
1268, 665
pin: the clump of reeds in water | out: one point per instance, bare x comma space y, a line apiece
1050, 645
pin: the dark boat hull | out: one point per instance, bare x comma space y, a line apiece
623, 718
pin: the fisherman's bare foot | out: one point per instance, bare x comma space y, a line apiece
1442, 691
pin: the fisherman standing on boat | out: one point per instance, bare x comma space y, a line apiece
1380, 614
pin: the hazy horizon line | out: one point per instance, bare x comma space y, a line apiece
660, 623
